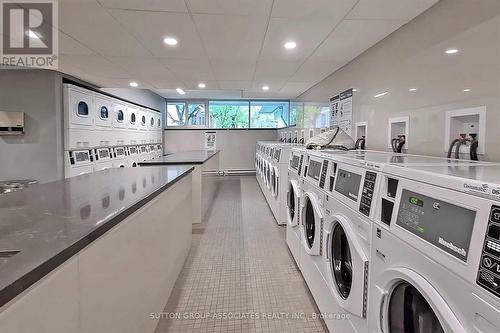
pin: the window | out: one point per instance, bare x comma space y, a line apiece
104, 113
228, 114
132, 118
176, 114
143, 120
119, 116
152, 122
316, 115
82, 109
269, 114
196, 114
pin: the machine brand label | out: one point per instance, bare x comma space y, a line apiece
452, 247
483, 190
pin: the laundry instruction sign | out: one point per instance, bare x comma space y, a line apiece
29, 34
210, 141
341, 111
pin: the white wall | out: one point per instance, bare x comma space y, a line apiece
237, 146
38, 154
414, 57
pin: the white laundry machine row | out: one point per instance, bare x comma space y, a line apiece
82, 161
341, 203
94, 120
271, 162
436, 250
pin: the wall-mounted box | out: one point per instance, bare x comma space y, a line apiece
11, 123
466, 121
398, 126
361, 130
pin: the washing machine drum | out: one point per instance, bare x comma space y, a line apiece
341, 263
310, 224
410, 312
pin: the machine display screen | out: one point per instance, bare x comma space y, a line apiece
348, 184
143, 149
314, 169
120, 152
133, 150
444, 225
103, 153
295, 162
81, 156
416, 201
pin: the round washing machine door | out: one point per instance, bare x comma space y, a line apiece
312, 223
348, 266
292, 203
411, 304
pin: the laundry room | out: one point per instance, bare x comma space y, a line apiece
249, 166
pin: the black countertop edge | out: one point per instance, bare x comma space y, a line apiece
159, 162
24, 282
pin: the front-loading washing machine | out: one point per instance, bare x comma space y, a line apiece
293, 201
133, 156
144, 153
78, 162
120, 158
103, 158
79, 113
436, 250
153, 155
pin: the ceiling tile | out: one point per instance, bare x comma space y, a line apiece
200, 94
352, 37
68, 45
225, 70
161, 83
143, 68
92, 26
294, 89
333, 9
152, 5
92, 64
389, 9
231, 37
263, 94
188, 69
275, 70
308, 34
231, 7
314, 71
193, 85
152, 27
236, 85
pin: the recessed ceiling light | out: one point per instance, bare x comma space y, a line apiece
170, 41
381, 94
180, 91
354, 90
202, 85
466, 90
265, 88
290, 45
134, 84
451, 51
412, 89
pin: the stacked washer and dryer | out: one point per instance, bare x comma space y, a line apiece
102, 132
397, 243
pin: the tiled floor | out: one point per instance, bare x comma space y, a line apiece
238, 271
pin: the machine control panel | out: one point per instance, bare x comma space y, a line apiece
442, 224
367, 194
314, 170
322, 177
488, 275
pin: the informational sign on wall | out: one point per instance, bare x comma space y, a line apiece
341, 111
210, 141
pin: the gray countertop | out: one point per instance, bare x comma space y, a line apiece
183, 157
49, 223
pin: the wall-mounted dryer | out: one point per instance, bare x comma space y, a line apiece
133, 125
103, 121
78, 118
120, 124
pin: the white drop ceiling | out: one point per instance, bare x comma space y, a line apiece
234, 46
